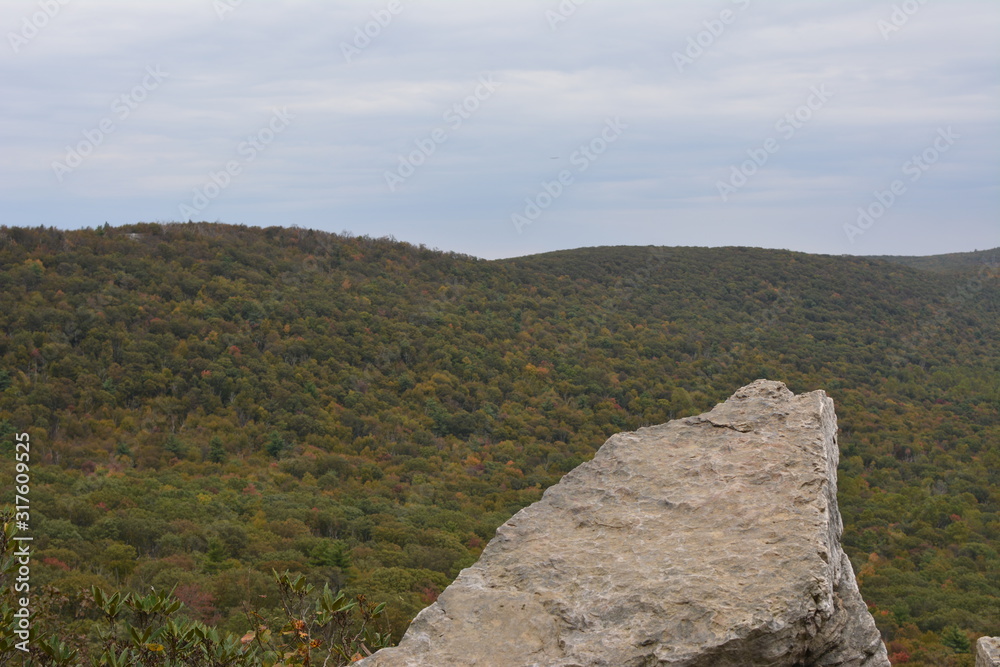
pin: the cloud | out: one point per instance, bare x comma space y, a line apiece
559, 81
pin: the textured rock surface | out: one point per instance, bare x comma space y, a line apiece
711, 541
988, 652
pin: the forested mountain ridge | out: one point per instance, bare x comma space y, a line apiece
208, 402
953, 262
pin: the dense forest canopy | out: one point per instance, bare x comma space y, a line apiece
208, 403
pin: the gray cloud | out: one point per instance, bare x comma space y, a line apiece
891, 90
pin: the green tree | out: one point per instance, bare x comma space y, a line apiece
275, 445
216, 450
955, 638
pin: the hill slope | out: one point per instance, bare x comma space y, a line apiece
209, 402
951, 262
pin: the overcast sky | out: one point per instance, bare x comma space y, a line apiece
511, 127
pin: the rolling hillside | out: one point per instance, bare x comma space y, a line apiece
210, 402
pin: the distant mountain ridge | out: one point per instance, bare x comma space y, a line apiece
209, 402
949, 262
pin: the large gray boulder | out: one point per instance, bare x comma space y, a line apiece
988, 652
711, 541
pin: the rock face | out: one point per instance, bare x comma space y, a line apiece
988, 652
711, 541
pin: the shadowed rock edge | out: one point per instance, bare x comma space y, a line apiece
711, 541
